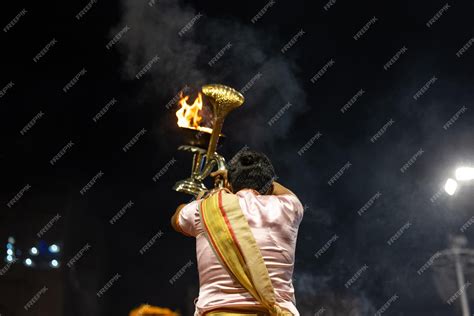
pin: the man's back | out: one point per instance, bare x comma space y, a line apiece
274, 222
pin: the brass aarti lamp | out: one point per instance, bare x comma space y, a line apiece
203, 144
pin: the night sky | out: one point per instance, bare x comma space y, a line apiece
365, 110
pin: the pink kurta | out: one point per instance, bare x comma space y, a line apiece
274, 222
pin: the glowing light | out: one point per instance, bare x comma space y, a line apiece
54, 263
189, 114
54, 248
10, 252
464, 173
9, 246
450, 186
34, 251
9, 258
28, 262
11, 240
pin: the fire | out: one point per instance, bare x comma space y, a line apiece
188, 115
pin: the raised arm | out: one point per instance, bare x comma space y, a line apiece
174, 218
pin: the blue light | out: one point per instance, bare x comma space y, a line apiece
54, 248
9, 246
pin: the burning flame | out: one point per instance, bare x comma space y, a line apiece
188, 115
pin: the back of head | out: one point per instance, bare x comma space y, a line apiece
250, 170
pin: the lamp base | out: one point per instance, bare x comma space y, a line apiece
189, 186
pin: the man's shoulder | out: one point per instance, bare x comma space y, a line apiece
289, 200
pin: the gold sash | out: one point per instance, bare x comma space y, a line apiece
230, 237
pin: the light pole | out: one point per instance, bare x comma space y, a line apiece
461, 258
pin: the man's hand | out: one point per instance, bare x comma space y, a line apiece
201, 194
221, 175
218, 175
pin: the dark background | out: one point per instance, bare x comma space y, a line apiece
256, 48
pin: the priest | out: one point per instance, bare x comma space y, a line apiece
245, 241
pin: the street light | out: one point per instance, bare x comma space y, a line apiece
54, 248
54, 263
451, 186
462, 174
28, 262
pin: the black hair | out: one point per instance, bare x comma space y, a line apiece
250, 170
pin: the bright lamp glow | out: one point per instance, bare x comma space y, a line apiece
34, 250
28, 262
54, 263
450, 186
9, 258
464, 173
10, 252
54, 248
